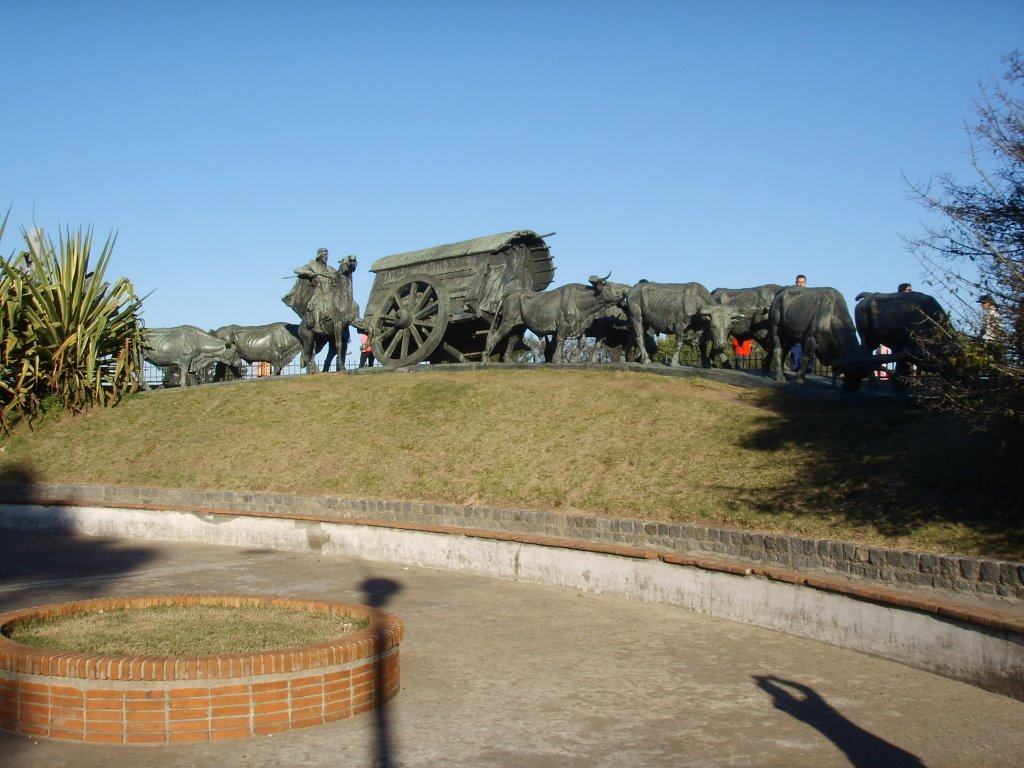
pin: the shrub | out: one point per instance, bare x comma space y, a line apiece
64, 330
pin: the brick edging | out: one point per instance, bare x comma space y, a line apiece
163, 699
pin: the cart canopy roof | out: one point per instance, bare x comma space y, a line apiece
488, 244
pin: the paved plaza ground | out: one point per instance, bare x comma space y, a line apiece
514, 675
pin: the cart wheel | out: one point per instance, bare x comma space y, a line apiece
411, 322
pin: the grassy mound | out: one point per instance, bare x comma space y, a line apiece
616, 443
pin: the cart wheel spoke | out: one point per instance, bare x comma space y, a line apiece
423, 302
419, 338
428, 310
390, 349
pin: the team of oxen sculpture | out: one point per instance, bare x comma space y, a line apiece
274, 343
684, 309
776, 317
907, 323
188, 348
564, 313
818, 320
622, 319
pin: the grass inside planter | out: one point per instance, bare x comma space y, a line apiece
180, 630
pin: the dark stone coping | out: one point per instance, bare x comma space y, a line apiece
960, 587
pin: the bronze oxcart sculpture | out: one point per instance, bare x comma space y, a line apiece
436, 305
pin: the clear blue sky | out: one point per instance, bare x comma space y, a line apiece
730, 143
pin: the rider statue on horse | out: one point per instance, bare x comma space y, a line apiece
311, 297
322, 297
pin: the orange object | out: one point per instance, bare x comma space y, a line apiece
741, 349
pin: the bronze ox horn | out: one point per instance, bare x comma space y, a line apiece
596, 279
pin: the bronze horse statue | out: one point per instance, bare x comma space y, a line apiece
331, 326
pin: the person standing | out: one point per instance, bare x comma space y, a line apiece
796, 354
991, 328
903, 369
366, 359
742, 352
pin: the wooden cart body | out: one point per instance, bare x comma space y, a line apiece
436, 305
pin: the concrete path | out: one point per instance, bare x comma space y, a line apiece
498, 673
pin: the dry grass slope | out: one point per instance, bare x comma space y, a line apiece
616, 443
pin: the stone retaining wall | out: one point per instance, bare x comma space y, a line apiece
898, 568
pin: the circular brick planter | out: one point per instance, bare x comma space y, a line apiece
163, 699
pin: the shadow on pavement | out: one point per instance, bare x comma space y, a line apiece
377, 593
46, 562
862, 748
38, 567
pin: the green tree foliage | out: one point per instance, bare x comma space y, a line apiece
65, 332
978, 249
689, 355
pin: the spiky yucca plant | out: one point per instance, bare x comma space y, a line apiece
65, 330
